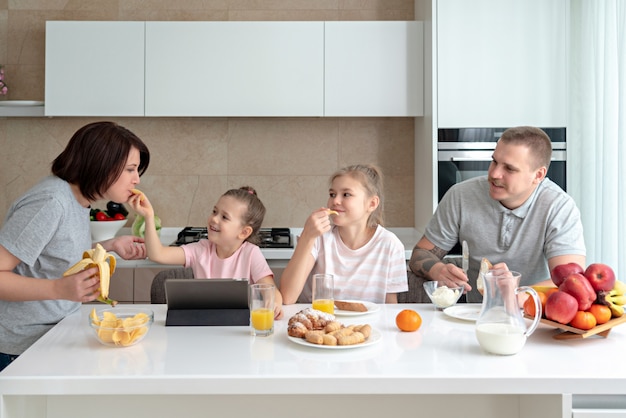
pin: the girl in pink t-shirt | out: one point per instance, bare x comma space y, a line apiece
231, 250
367, 260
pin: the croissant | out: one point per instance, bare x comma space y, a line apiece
307, 320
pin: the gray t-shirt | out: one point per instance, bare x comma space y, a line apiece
47, 230
547, 225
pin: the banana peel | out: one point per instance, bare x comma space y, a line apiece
105, 262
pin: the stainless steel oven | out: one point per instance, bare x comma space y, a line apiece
466, 152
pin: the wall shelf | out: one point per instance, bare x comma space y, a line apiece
16, 108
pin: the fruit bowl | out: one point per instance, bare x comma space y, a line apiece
441, 295
103, 230
567, 332
120, 327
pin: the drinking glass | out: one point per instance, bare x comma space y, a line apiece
262, 309
323, 293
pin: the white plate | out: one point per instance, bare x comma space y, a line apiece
465, 312
20, 103
371, 308
375, 337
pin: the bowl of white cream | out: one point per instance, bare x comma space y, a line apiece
441, 295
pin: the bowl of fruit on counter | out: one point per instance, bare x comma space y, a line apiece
106, 223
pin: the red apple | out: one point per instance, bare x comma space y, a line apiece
561, 307
560, 272
578, 286
600, 276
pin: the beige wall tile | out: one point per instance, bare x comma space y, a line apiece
210, 188
385, 142
158, 5
183, 146
30, 148
282, 146
283, 4
282, 15
4, 27
97, 5
399, 200
174, 15
288, 200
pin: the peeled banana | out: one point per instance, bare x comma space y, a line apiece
485, 266
105, 262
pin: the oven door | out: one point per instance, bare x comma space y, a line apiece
454, 166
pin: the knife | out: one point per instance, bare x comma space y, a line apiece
465, 263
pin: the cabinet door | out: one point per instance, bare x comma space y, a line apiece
122, 285
94, 68
143, 282
501, 63
234, 68
373, 69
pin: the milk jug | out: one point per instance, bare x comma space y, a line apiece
500, 328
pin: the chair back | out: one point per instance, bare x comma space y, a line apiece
157, 290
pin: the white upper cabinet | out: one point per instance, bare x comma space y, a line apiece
234, 68
374, 68
94, 68
223, 69
501, 63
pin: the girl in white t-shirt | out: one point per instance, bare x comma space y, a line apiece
231, 250
368, 262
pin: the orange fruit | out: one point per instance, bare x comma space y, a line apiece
583, 320
529, 304
408, 320
601, 312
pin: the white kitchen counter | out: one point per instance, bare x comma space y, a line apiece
439, 370
276, 256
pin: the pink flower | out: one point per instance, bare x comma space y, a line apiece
3, 86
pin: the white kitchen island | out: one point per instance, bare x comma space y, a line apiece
438, 371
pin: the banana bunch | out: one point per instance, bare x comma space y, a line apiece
105, 262
615, 298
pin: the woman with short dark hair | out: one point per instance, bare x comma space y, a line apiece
46, 231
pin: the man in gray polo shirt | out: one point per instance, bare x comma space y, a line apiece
514, 215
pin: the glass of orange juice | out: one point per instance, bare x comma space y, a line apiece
262, 309
323, 293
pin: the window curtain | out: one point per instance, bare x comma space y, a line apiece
597, 127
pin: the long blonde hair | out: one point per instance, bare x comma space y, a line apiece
371, 178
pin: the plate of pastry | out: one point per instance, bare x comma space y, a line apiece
374, 338
355, 308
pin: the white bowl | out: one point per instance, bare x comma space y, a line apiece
441, 295
102, 230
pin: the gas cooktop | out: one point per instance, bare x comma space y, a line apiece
270, 237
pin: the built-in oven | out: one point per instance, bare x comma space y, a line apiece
464, 153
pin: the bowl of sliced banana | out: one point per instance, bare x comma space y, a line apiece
120, 327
